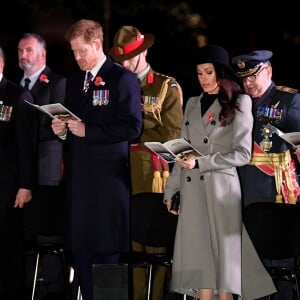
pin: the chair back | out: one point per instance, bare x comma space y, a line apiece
274, 229
151, 223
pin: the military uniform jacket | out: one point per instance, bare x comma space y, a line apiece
279, 106
97, 165
17, 143
162, 118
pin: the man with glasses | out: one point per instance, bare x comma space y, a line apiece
279, 106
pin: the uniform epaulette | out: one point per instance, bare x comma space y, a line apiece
162, 75
172, 81
165, 76
286, 89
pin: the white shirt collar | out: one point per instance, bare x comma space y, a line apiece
96, 69
33, 78
143, 74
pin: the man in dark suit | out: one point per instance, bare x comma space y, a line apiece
17, 175
44, 216
107, 99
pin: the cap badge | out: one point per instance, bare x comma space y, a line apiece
241, 64
119, 50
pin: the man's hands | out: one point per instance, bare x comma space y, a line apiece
60, 127
23, 196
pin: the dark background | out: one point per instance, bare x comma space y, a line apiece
239, 27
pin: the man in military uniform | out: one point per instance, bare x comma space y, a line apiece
272, 158
161, 103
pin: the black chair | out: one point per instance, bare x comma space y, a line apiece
274, 229
46, 246
151, 225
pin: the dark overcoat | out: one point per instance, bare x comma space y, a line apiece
17, 143
98, 176
18, 155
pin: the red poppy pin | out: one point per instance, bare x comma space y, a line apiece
99, 81
209, 117
44, 78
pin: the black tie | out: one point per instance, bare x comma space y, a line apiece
27, 82
88, 80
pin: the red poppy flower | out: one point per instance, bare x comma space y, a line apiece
99, 81
44, 78
210, 116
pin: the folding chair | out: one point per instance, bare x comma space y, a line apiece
275, 232
151, 225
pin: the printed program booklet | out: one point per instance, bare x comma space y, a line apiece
293, 138
55, 110
177, 148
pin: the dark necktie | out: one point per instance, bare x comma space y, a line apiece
27, 82
88, 80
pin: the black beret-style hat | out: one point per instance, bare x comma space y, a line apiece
250, 63
129, 42
214, 54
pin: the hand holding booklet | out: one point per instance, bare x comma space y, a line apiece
170, 150
293, 138
55, 110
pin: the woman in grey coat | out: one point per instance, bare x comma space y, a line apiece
213, 253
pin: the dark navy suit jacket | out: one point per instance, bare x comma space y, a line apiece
50, 148
45, 214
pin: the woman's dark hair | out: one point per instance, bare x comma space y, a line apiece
229, 91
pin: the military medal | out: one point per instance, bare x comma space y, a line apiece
96, 97
266, 143
100, 97
5, 112
269, 113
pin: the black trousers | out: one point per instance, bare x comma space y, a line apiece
11, 253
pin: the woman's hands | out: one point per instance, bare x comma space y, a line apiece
169, 207
186, 163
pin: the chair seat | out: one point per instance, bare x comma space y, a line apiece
137, 259
48, 245
282, 273
140, 259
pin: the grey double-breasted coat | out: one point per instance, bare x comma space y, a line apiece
212, 248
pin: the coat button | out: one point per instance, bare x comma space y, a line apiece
205, 140
188, 179
202, 177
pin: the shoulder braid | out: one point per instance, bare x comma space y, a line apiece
155, 108
286, 89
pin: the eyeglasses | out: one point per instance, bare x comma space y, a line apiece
252, 78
